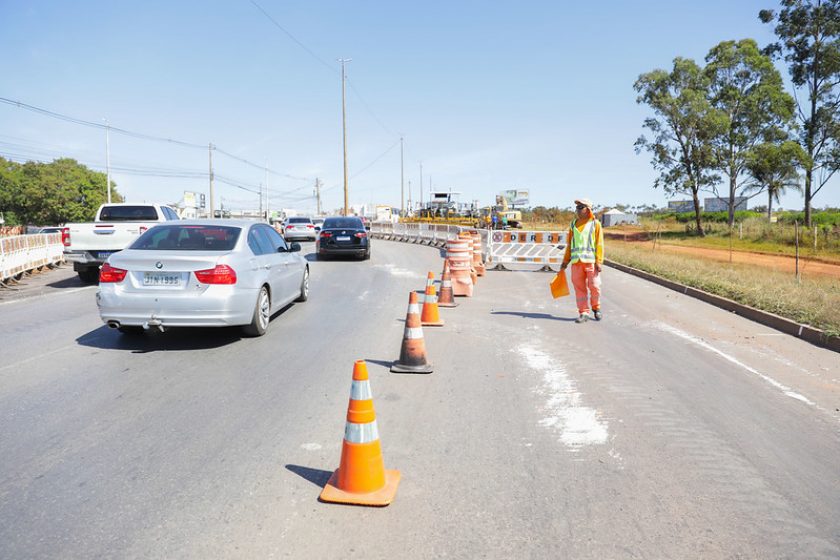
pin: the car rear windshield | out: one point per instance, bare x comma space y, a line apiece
342, 223
128, 214
300, 221
188, 238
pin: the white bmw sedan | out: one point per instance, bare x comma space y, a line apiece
202, 273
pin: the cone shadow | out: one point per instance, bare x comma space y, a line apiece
317, 477
383, 363
525, 315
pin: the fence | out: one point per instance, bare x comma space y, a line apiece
23, 253
517, 250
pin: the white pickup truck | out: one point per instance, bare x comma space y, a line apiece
115, 227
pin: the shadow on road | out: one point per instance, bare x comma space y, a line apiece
317, 477
71, 282
384, 363
525, 315
106, 338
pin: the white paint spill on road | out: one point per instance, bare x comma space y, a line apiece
311, 446
578, 425
787, 391
396, 271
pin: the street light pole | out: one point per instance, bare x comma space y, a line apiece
344, 129
402, 180
108, 158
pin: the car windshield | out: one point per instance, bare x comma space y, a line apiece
128, 214
346, 223
299, 221
187, 238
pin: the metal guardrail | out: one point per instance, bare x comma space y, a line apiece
23, 253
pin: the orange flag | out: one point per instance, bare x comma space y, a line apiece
559, 287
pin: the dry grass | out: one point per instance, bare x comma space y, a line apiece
814, 301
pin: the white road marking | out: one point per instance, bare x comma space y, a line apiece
787, 391
395, 271
578, 425
62, 292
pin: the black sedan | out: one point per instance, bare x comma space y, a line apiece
343, 236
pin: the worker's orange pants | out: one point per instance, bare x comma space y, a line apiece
584, 277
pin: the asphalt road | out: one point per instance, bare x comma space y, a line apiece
671, 429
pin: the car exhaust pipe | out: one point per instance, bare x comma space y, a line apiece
114, 324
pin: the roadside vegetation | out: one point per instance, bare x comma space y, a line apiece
814, 300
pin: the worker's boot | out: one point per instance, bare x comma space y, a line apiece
598, 315
584, 317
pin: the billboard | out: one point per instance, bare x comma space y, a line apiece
516, 197
189, 199
722, 204
681, 205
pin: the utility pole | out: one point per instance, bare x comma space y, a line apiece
421, 184
261, 199
409, 196
210, 152
402, 179
266, 190
344, 128
318, 196
108, 158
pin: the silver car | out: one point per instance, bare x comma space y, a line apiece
202, 273
299, 227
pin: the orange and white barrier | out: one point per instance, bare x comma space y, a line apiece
22, 253
544, 248
459, 254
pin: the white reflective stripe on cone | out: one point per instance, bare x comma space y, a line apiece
430, 298
360, 391
414, 309
361, 433
413, 332
447, 283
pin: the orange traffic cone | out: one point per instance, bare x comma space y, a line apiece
430, 317
447, 296
361, 478
413, 351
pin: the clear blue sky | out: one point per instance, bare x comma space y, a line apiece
488, 95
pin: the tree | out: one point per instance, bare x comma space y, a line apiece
773, 168
746, 88
809, 41
52, 193
683, 127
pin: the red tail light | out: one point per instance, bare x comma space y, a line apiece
360, 234
289, 226
109, 273
222, 274
310, 226
325, 234
65, 236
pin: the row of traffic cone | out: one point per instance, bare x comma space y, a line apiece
361, 478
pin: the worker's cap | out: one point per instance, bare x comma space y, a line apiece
583, 202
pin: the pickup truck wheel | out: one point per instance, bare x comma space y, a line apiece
89, 276
262, 313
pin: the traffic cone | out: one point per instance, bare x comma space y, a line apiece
430, 317
413, 351
447, 296
361, 478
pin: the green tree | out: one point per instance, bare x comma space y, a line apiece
774, 168
683, 127
809, 41
746, 88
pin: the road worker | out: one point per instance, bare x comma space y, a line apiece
585, 252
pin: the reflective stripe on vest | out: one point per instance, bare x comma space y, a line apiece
583, 243
361, 433
360, 391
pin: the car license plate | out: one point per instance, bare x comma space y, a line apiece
105, 254
342, 238
161, 279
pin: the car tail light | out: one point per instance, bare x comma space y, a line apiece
310, 226
290, 226
65, 236
222, 274
360, 234
109, 273
325, 234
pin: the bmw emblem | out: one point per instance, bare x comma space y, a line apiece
158, 265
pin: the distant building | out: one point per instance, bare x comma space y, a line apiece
681, 205
722, 204
615, 217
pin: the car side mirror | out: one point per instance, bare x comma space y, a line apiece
294, 247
